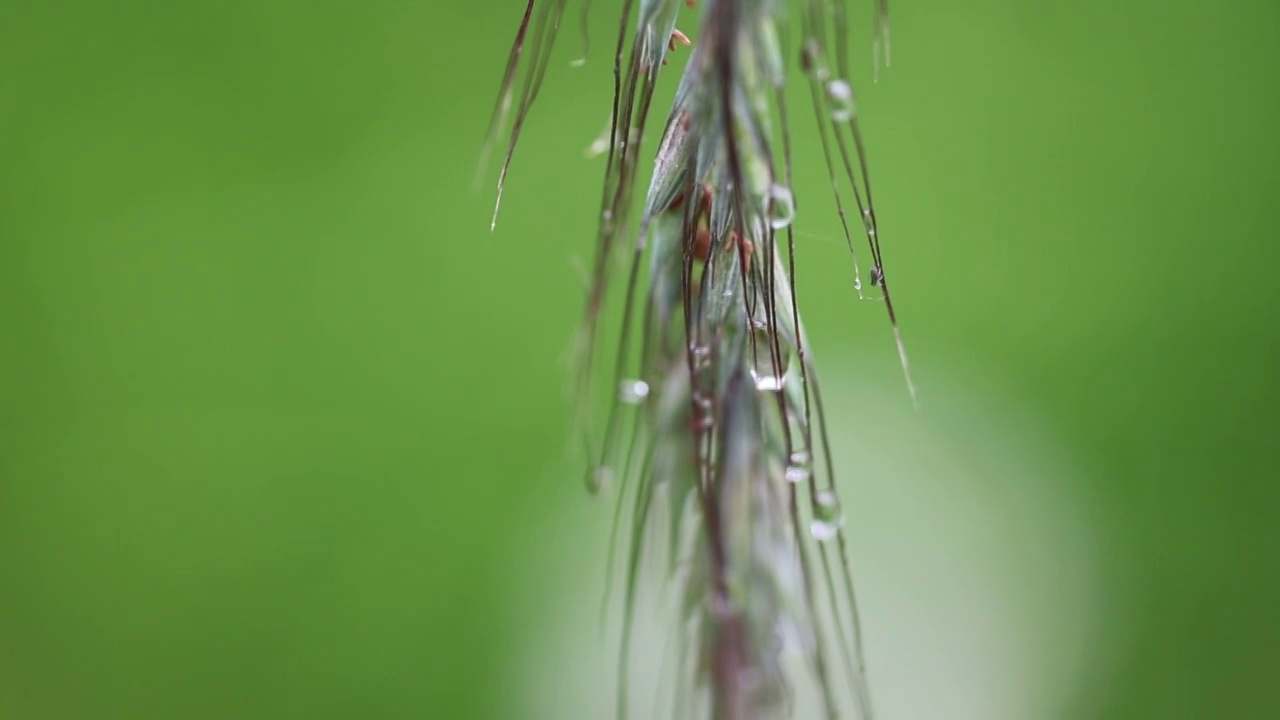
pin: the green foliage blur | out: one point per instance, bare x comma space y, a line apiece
277, 410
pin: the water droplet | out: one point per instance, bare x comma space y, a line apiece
841, 96
597, 148
768, 375
598, 477
703, 413
796, 473
812, 60
782, 207
633, 392
857, 283
822, 531
825, 504
827, 517
769, 383
701, 356
798, 469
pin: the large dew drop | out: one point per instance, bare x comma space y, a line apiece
769, 383
782, 207
770, 375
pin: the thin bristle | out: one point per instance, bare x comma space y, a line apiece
503, 107
544, 36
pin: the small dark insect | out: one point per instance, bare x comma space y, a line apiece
877, 277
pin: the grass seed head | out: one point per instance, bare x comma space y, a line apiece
715, 420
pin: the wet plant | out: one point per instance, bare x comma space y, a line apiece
715, 433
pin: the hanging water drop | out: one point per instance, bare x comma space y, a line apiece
782, 207
798, 469
822, 531
827, 517
796, 473
768, 374
598, 477
633, 392
841, 97
769, 383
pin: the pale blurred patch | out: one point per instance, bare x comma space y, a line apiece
975, 566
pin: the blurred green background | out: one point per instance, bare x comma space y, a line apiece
278, 414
